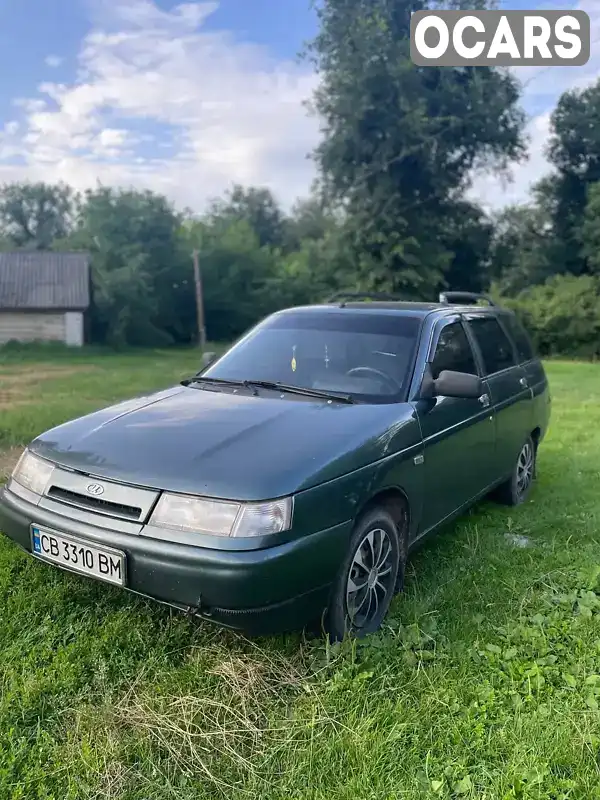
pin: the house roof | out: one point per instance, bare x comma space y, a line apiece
44, 281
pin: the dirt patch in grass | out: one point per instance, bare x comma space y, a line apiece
16, 374
16, 382
13, 396
8, 459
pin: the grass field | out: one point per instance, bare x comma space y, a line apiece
485, 682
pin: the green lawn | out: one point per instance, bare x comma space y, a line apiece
485, 682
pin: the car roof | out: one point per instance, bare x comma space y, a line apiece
400, 307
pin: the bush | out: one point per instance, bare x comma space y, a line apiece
562, 315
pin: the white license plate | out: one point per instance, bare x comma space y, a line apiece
79, 556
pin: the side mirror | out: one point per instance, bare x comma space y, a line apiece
207, 359
458, 384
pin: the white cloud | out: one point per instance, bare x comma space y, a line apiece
113, 143
112, 137
232, 112
161, 101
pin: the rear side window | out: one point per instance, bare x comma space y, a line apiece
496, 348
520, 337
453, 352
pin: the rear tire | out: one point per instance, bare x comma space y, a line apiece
517, 488
370, 576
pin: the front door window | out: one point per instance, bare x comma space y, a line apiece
453, 352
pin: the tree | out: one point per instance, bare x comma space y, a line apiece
574, 151
467, 235
590, 229
319, 268
310, 220
401, 142
563, 314
33, 215
142, 276
241, 280
256, 206
524, 250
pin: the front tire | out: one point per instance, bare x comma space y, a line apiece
517, 488
368, 578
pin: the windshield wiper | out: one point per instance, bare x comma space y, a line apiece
285, 387
274, 386
202, 379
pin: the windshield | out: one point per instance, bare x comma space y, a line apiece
364, 355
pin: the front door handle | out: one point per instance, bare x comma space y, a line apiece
484, 400
523, 382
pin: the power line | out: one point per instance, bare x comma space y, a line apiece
545, 69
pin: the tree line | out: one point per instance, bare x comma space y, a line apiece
389, 211
546, 254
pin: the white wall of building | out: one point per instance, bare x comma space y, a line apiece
28, 327
74, 328
42, 326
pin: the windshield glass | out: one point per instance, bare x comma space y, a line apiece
364, 355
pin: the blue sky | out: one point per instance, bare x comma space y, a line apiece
188, 98
30, 30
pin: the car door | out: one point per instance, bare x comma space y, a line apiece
509, 390
458, 434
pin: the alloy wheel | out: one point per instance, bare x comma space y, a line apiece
370, 578
525, 468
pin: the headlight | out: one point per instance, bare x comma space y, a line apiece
33, 473
221, 518
194, 514
260, 519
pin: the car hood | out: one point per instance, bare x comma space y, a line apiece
225, 445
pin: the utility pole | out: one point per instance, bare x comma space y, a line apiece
199, 300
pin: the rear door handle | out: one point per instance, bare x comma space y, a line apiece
484, 400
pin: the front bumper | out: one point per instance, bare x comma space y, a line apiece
257, 591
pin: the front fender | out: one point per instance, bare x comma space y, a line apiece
342, 499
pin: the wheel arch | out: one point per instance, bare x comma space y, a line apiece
395, 501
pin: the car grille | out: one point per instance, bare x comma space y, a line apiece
95, 503
105, 499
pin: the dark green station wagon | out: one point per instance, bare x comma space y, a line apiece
289, 480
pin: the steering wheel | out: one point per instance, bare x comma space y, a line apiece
370, 372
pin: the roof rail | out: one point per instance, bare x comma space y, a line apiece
343, 297
449, 298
